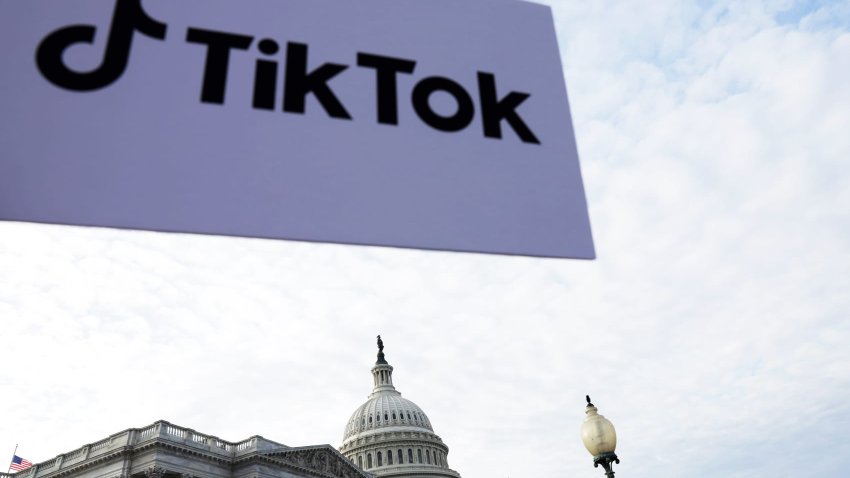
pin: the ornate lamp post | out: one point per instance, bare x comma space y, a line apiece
600, 439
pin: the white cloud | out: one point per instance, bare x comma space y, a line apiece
712, 326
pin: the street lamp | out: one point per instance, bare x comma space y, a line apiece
599, 438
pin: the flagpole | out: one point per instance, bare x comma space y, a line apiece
14, 454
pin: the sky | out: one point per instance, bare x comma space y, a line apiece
712, 329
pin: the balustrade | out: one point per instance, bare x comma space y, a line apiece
148, 432
245, 444
74, 454
176, 431
98, 445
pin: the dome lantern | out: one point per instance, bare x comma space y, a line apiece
382, 372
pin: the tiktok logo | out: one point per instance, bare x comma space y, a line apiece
129, 18
298, 82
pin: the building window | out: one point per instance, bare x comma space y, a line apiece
419, 454
409, 455
428, 456
408, 415
380, 459
389, 457
360, 461
394, 416
400, 460
386, 417
368, 460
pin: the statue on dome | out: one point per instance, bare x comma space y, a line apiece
381, 359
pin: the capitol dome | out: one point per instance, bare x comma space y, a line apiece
391, 436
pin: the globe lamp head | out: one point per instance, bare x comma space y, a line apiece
597, 432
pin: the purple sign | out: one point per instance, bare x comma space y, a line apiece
437, 125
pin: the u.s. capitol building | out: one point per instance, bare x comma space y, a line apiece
386, 436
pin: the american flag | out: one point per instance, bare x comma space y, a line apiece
19, 463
